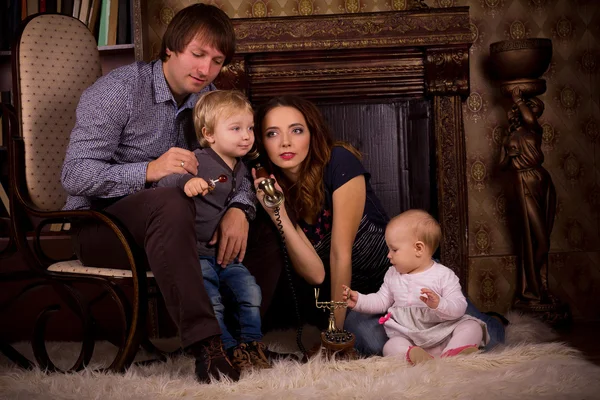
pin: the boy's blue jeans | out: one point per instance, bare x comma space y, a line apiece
370, 335
235, 282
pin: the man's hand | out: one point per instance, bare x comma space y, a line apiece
349, 296
232, 235
175, 161
195, 187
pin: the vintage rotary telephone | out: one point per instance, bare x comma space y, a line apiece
333, 340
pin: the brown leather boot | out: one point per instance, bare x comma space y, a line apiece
211, 360
257, 355
240, 357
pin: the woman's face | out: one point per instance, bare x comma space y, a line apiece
286, 139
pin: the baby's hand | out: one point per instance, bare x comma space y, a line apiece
349, 296
430, 298
195, 187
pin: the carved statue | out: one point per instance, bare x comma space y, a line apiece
535, 194
517, 66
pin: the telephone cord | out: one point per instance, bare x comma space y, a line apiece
292, 288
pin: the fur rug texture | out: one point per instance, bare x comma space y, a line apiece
529, 366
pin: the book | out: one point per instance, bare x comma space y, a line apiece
103, 29
14, 20
50, 6
76, 7
113, 20
67, 7
84, 11
94, 16
123, 21
32, 7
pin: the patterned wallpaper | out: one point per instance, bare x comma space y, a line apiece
571, 140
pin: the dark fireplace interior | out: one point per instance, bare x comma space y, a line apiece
396, 143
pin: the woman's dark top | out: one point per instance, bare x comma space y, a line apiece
369, 252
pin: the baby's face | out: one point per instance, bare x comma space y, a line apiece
402, 248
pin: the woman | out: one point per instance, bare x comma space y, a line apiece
333, 222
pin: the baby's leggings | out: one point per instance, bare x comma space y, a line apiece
466, 333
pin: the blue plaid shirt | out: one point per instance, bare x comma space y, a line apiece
126, 119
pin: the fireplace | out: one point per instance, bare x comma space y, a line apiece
390, 83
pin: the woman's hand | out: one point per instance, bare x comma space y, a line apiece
430, 298
349, 296
195, 187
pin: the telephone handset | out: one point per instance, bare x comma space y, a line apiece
273, 197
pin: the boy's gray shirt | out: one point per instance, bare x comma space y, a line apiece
210, 208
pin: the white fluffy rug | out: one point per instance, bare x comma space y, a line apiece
528, 366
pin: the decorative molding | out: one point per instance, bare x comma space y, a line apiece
447, 71
452, 185
337, 71
356, 74
353, 31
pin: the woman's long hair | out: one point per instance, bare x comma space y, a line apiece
307, 195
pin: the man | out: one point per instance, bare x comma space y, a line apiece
133, 128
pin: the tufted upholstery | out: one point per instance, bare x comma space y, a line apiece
58, 60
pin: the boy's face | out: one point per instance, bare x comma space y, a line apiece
193, 69
403, 250
233, 136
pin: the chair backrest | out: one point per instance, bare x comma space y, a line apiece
56, 59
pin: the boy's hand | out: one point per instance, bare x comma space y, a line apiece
349, 296
430, 298
195, 187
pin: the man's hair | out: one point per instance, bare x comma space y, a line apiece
425, 227
214, 105
199, 20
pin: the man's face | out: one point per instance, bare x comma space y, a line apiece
192, 69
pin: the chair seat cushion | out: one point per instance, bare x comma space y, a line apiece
76, 267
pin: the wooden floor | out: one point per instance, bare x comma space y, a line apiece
584, 336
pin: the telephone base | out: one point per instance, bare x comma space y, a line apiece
340, 344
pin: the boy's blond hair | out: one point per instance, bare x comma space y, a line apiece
214, 105
425, 227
